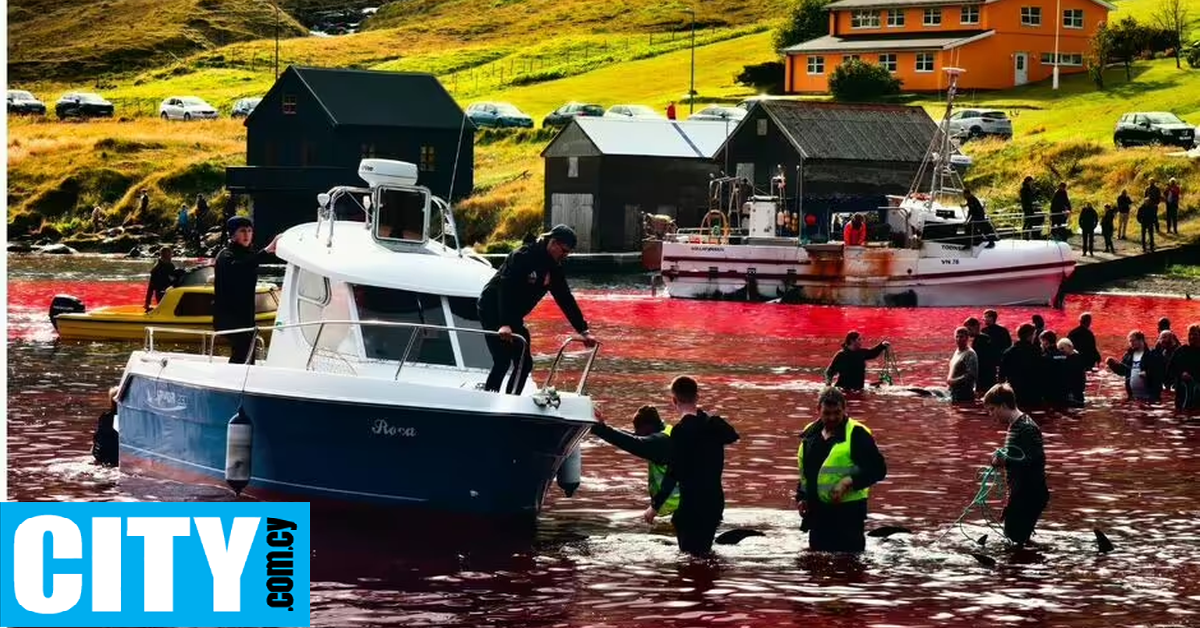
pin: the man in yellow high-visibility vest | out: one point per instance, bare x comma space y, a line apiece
838, 461
650, 441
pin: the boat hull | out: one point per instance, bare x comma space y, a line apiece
348, 452
133, 327
1012, 273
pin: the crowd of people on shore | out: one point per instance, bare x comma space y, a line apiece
1113, 222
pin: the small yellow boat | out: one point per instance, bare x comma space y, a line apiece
182, 307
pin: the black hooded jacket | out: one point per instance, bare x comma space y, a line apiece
524, 278
235, 280
697, 461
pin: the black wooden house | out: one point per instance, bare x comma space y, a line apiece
834, 156
315, 124
603, 173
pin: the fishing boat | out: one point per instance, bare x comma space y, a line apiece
371, 391
187, 309
926, 251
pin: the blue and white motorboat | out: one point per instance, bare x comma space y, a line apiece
371, 390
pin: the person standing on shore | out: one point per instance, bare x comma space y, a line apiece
1147, 217
1088, 219
1124, 207
1171, 196
1153, 198
1028, 199
1107, 226
1060, 212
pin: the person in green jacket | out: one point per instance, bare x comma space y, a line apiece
650, 441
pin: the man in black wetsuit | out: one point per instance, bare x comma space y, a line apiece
850, 363
1024, 465
696, 463
162, 276
1001, 339
1021, 367
235, 282
838, 461
512, 293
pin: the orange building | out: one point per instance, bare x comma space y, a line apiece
1000, 43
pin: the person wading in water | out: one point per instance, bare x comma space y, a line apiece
850, 363
696, 464
1024, 465
650, 441
838, 461
512, 293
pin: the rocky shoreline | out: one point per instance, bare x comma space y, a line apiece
1153, 284
132, 240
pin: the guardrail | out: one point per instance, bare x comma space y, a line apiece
209, 338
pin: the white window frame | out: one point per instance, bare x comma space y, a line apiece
1031, 16
1065, 59
925, 56
895, 18
962, 14
846, 58
309, 332
572, 167
887, 61
932, 17
864, 19
817, 62
1069, 18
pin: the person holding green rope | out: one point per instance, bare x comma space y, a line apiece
650, 441
1024, 460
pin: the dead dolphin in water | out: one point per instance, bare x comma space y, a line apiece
735, 536
886, 531
928, 392
986, 561
1103, 542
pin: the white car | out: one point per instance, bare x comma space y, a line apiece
633, 111
980, 122
186, 108
716, 112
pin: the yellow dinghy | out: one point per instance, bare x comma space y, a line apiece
183, 307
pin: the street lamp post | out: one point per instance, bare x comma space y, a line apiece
277, 39
692, 89
1058, 18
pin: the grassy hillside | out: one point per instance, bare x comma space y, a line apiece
92, 38
538, 55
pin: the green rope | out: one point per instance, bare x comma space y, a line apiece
989, 488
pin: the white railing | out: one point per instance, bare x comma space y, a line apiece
209, 340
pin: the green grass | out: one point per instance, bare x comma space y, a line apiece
1183, 272
73, 39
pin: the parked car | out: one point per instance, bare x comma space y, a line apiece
633, 111
717, 112
22, 102
244, 107
82, 105
1155, 127
186, 108
972, 123
498, 115
563, 115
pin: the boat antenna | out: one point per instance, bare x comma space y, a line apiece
450, 197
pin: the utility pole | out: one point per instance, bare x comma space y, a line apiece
1058, 18
276, 40
692, 90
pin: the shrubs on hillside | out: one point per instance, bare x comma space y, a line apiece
763, 77
857, 81
809, 19
1193, 55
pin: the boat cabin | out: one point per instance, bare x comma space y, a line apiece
374, 296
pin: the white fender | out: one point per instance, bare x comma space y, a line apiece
239, 444
571, 472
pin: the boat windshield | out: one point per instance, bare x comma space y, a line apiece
401, 215
429, 346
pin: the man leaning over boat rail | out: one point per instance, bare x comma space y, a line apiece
512, 293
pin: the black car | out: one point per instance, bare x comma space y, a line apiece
22, 102
83, 105
1155, 127
563, 115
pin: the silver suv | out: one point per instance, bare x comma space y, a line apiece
971, 123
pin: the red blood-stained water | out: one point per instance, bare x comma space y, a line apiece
1127, 468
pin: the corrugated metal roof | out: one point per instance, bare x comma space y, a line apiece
378, 98
825, 130
656, 138
940, 41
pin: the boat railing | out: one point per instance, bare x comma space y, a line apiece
209, 341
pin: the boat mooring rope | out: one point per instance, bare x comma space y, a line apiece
989, 488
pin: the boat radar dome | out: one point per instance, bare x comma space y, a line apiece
377, 172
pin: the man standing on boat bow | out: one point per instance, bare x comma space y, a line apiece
512, 293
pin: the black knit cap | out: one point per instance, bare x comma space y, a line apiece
237, 222
563, 234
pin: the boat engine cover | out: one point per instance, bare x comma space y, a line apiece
64, 304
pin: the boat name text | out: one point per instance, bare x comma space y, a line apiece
381, 426
951, 260
716, 249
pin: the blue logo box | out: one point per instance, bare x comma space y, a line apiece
154, 564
